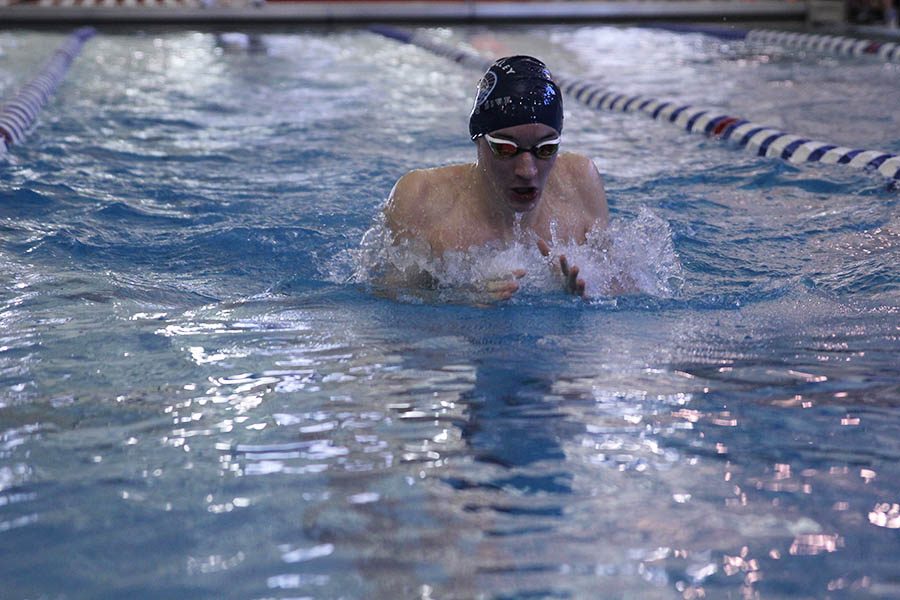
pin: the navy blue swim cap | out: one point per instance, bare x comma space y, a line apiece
516, 90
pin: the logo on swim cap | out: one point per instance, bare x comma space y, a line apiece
485, 87
515, 91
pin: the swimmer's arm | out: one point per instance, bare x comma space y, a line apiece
598, 209
591, 195
622, 283
407, 219
400, 214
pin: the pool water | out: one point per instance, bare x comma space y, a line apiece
203, 395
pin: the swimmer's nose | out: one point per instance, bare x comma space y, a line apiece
526, 166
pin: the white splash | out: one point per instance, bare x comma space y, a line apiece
635, 254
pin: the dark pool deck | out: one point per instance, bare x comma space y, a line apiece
19, 12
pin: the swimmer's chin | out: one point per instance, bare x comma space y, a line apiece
523, 199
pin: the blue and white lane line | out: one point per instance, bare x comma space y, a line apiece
19, 113
835, 44
757, 138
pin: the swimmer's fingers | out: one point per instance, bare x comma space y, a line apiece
496, 284
564, 265
544, 247
574, 284
501, 289
572, 280
579, 288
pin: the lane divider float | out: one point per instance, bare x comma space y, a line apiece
835, 44
18, 114
754, 137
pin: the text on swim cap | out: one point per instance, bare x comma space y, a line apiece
493, 103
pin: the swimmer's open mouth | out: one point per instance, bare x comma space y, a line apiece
524, 194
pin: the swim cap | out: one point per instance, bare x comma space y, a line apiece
516, 90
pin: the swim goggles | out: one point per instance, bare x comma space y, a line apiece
508, 149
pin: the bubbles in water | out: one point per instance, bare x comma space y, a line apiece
631, 255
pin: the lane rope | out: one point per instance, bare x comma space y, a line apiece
835, 44
754, 137
19, 113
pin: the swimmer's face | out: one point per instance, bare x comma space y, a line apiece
518, 180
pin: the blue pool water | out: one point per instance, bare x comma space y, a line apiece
202, 395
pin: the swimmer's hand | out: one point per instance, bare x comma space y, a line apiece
498, 290
571, 282
425, 286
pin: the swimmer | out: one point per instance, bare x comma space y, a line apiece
519, 182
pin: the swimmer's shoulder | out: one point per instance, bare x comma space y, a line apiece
419, 181
579, 174
577, 167
581, 181
421, 185
422, 195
